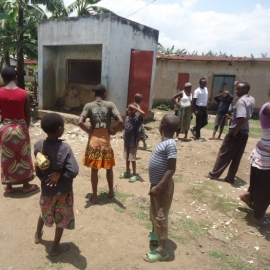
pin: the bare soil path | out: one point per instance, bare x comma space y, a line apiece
210, 228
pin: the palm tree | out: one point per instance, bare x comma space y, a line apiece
85, 7
57, 8
19, 29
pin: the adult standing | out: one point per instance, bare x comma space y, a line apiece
184, 109
16, 161
200, 99
257, 196
235, 141
99, 153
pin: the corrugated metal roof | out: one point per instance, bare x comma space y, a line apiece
185, 57
28, 61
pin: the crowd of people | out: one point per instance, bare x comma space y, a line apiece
56, 166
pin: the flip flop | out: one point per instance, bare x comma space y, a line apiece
153, 239
31, 189
246, 201
133, 178
89, 196
154, 256
112, 196
262, 223
125, 175
147, 147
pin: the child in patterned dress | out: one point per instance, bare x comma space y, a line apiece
56, 200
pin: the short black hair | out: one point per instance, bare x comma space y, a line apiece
8, 74
245, 85
51, 122
202, 79
99, 90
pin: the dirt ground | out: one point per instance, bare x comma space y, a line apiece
209, 227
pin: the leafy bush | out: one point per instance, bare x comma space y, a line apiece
163, 106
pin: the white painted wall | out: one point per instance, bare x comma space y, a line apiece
256, 74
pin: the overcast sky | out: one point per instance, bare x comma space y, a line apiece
237, 27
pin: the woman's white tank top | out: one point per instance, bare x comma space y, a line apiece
185, 100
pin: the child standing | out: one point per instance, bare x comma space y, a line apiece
161, 170
224, 101
132, 125
141, 136
56, 200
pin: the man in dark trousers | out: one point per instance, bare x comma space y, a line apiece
199, 103
235, 141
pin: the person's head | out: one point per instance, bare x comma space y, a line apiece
8, 74
242, 88
53, 124
188, 87
100, 91
138, 98
168, 125
131, 111
225, 95
202, 82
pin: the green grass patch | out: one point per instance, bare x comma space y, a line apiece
255, 130
176, 236
119, 209
225, 262
178, 178
141, 214
148, 225
207, 192
188, 225
121, 196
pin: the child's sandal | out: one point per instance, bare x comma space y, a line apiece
133, 178
125, 175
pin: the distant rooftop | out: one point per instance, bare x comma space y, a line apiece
186, 57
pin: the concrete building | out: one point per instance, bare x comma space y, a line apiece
29, 68
77, 53
173, 71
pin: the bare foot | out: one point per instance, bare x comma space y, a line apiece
246, 199
212, 138
61, 248
91, 198
8, 189
38, 238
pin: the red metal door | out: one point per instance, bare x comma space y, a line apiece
182, 79
140, 74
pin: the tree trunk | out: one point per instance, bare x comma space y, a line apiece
7, 59
20, 58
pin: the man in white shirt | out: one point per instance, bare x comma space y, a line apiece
199, 104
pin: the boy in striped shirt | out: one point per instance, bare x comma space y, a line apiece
161, 170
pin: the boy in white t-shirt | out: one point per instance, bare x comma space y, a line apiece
200, 99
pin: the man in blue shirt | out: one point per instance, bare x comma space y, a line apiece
224, 101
